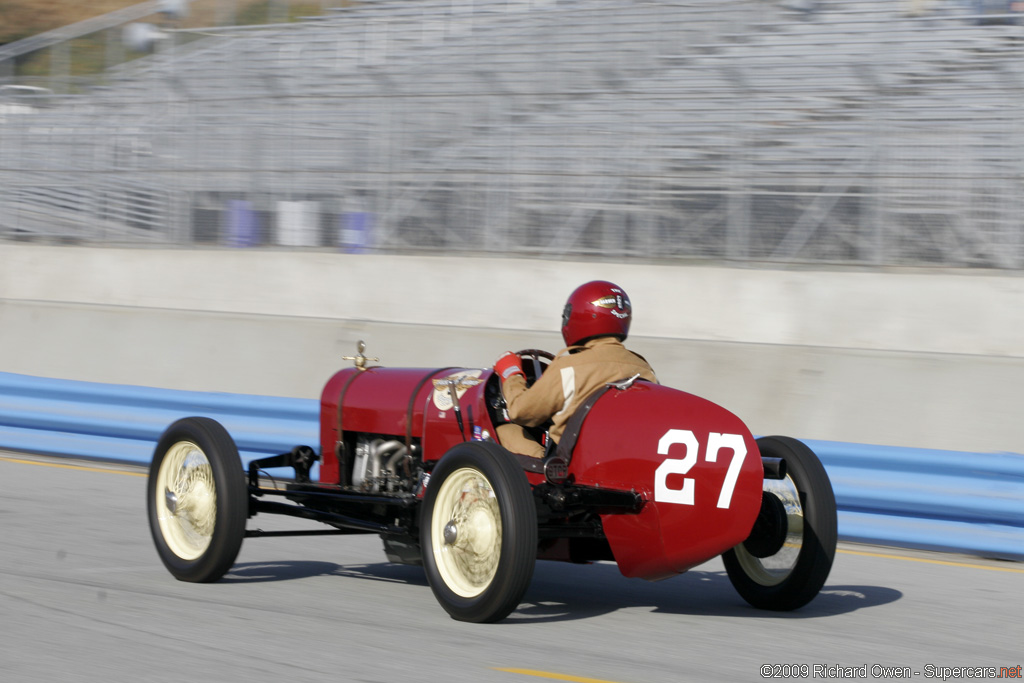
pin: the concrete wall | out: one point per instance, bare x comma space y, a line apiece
917, 358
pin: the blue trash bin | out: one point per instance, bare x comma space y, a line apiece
355, 232
242, 224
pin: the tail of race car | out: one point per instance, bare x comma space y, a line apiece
708, 488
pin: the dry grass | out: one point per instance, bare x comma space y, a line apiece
88, 54
23, 18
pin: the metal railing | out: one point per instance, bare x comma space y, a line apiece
708, 129
123, 423
938, 500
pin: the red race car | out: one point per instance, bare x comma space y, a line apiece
652, 478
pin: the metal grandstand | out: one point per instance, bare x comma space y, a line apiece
747, 130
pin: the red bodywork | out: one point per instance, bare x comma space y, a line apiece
695, 464
398, 402
629, 436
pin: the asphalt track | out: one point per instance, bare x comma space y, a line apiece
83, 597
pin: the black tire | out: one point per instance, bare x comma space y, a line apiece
198, 500
478, 532
802, 542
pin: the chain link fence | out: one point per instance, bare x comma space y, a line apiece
865, 132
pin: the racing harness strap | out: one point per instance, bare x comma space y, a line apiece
530, 464
575, 424
572, 428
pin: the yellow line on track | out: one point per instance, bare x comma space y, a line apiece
73, 467
926, 560
543, 674
552, 676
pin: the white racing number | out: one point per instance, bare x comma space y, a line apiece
686, 439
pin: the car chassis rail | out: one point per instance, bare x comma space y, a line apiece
309, 499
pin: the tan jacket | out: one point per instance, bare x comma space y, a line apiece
574, 374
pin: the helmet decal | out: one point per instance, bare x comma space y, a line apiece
617, 304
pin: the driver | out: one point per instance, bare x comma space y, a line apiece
595, 322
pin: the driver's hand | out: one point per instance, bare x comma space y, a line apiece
508, 365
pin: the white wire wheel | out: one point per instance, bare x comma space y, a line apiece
479, 532
773, 569
787, 558
186, 500
466, 532
197, 500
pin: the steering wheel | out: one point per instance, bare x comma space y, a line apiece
535, 362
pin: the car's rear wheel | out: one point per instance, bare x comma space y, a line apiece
197, 499
788, 556
478, 532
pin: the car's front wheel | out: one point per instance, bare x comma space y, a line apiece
197, 499
788, 556
478, 532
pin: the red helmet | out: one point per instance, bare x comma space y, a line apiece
596, 309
